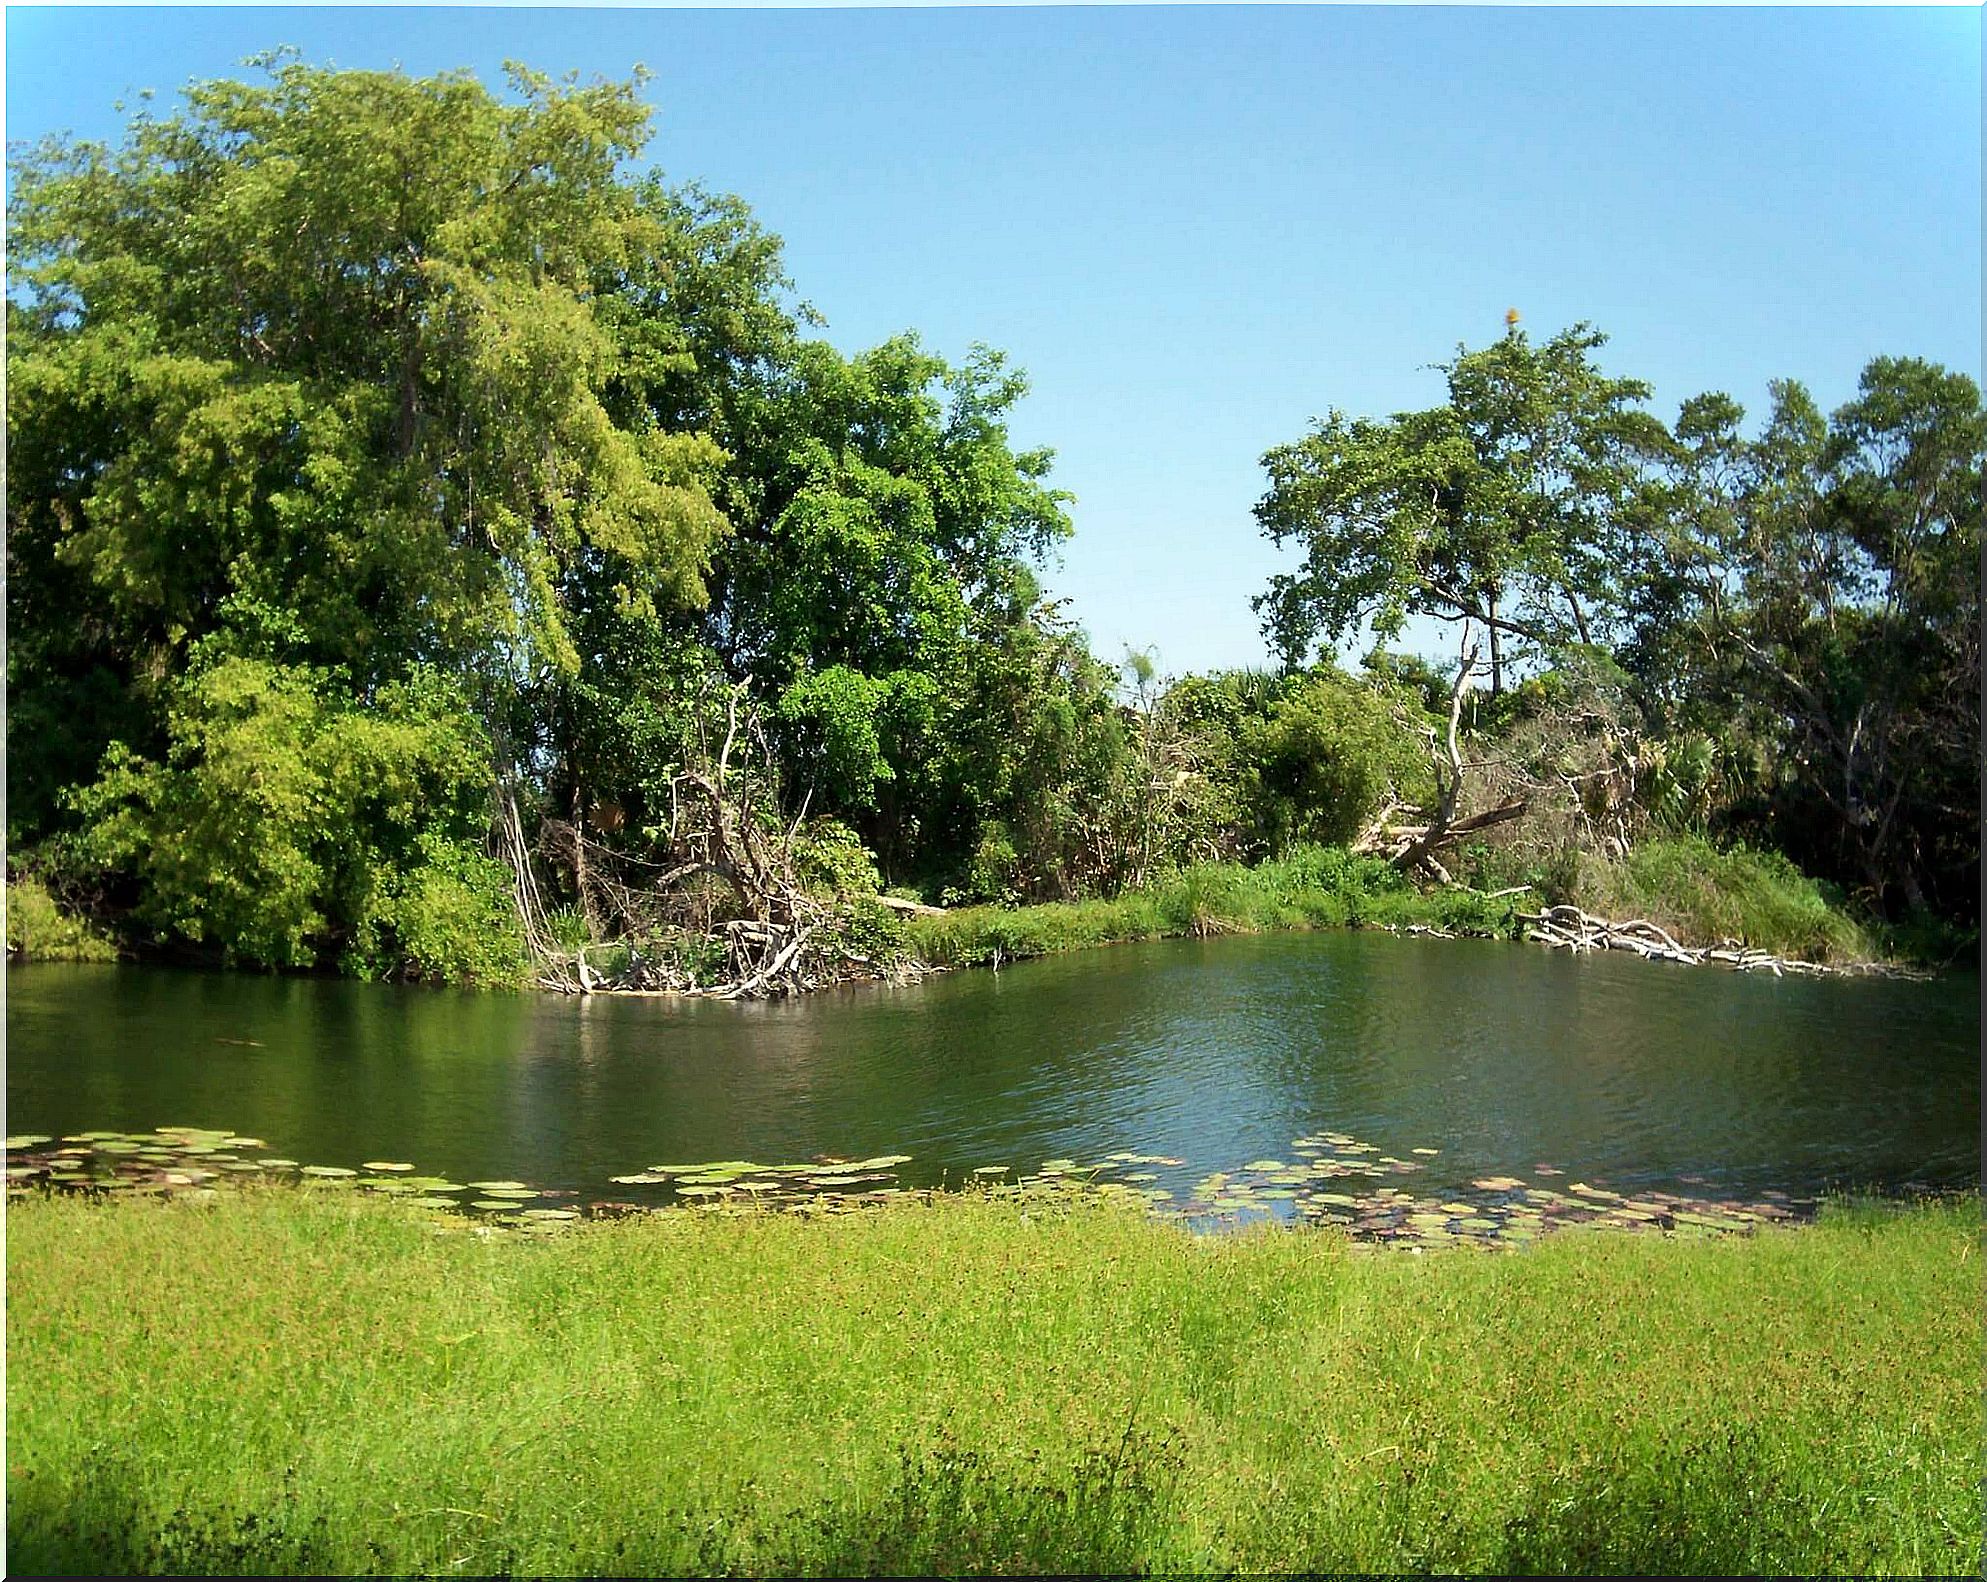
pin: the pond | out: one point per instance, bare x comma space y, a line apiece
1297, 1073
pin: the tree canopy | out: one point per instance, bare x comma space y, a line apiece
414, 496
1504, 506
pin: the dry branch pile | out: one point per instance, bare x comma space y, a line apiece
1569, 928
720, 911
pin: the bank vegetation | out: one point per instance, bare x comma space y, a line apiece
438, 549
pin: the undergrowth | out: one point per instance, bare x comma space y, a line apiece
39, 930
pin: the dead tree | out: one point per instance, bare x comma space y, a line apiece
720, 880
1412, 846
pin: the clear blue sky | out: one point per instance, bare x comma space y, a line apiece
1198, 227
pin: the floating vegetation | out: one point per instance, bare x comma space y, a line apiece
1333, 1179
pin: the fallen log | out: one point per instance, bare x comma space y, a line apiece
897, 903
1569, 928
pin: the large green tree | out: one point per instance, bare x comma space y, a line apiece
349, 377
1817, 587
1503, 506
321, 361
332, 375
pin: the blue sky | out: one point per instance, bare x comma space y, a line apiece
1197, 227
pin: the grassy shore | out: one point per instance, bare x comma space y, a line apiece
1699, 893
1702, 895
1314, 887
280, 1381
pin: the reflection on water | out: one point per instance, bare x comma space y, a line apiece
1503, 1057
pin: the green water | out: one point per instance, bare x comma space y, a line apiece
1500, 1057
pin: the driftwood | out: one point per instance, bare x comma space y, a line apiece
897, 903
1569, 928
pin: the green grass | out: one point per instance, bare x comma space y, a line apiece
1702, 895
1686, 885
38, 930
1314, 887
288, 1381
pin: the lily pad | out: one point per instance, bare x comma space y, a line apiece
387, 1165
28, 1140
328, 1172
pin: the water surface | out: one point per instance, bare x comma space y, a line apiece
1502, 1057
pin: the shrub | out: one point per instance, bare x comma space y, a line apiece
452, 919
39, 930
833, 860
288, 819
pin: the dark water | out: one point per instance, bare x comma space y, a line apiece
1621, 1072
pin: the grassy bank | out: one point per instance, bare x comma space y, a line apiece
1700, 894
277, 1382
1314, 887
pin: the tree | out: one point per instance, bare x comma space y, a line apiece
321, 362
886, 531
1819, 586
1502, 507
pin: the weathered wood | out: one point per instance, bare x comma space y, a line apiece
1569, 928
897, 903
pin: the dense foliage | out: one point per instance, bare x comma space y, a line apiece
1772, 638
391, 456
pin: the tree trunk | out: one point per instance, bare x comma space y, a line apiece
1496, 647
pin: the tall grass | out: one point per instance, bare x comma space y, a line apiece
1313, 887
1703, 895
1686, 885
280, 1381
